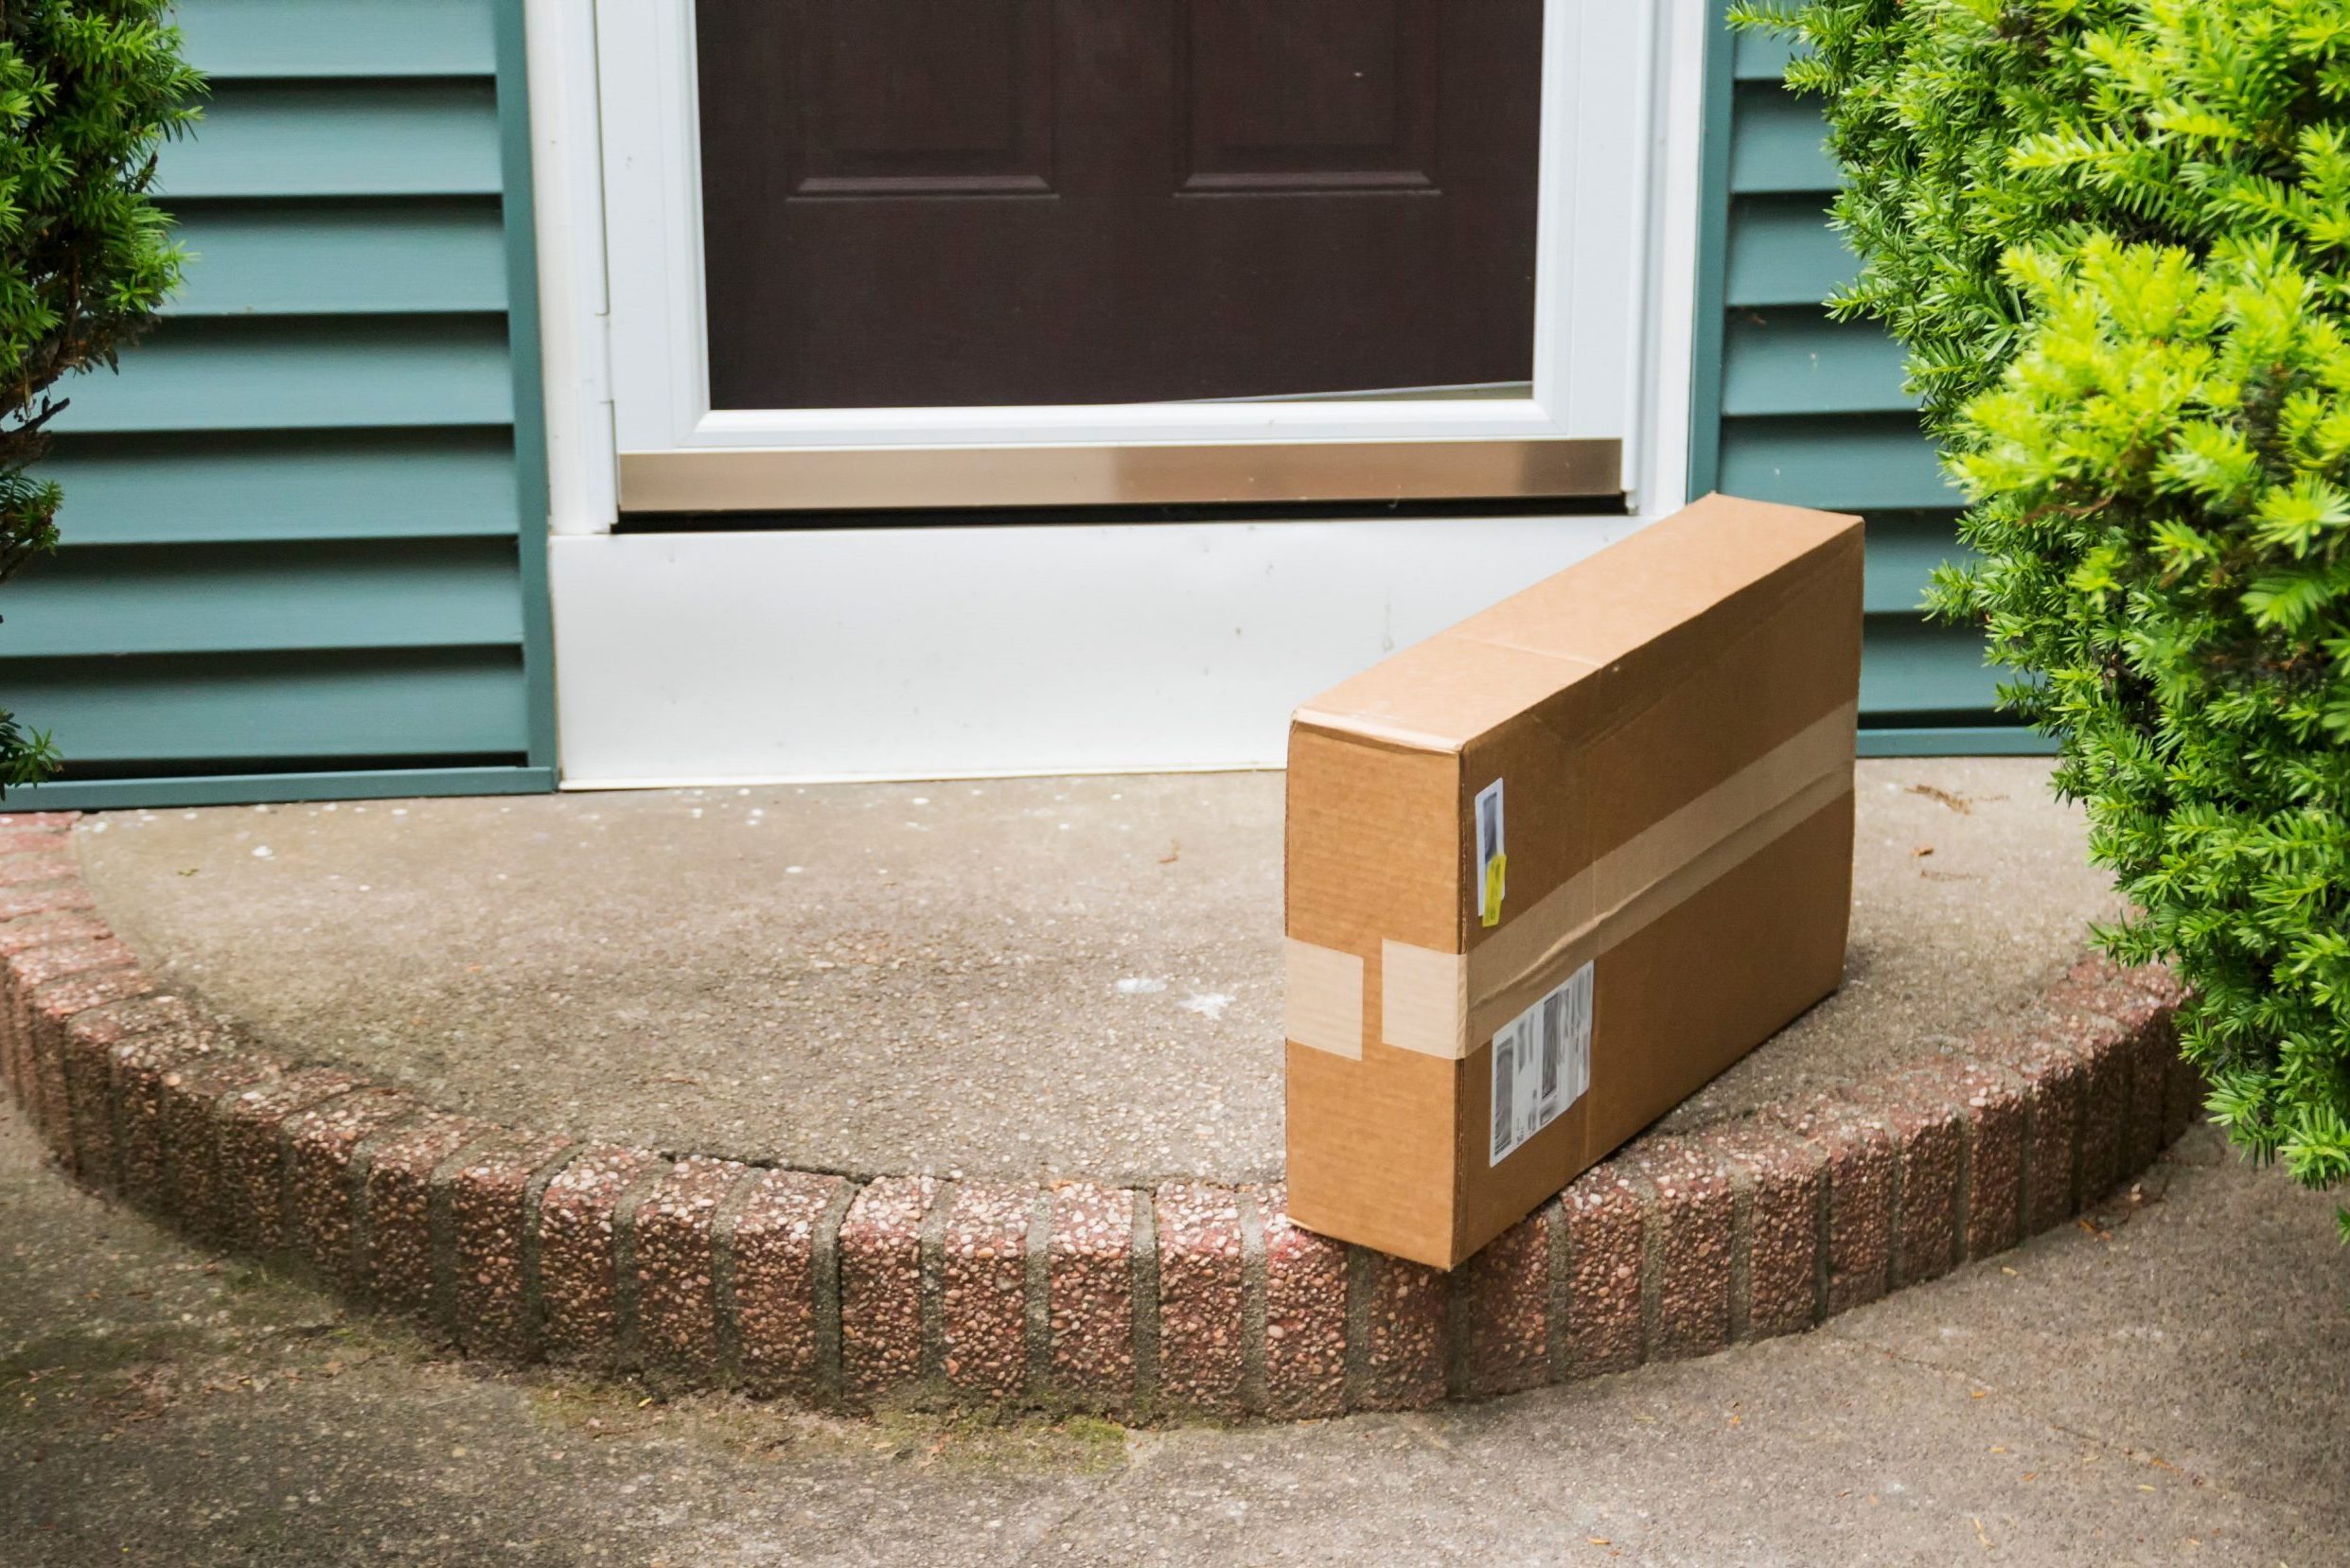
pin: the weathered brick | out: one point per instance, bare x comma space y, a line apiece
2184, 1095
1780, 1199
49, 929
2160, 986
113, 1022
15, 1062
2152, 1045
26, 840
17, 906
90, 1123
1608, 1212
1305, 1314
321, 1192
676, 1266
252, 1152
1696, 1222
1861, 1171
399, 1248
1501, 1310
775, 1319
136, 1066
1997, 1124
2104, 1048
2053, 1083
2116, 1019
35, 965
1404, 1330
579, 1218
90, 1040
39, 897
60, 1001
38, 821
1089, 1295
198, 1191
1923, 1110
1202, 1357
40, 865
2096, 984
983, 1295
491, 1238
15, 1059
53, 1004
882, 1287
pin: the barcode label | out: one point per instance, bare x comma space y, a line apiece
1542, 1064
1505, 1084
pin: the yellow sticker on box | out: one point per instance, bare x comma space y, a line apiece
1492, 863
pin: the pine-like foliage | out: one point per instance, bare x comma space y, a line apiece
89, 90
2115, 236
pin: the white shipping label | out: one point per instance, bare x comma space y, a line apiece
1542, 1064
1493, 860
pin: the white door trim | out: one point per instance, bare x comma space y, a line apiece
763, 655
574, 311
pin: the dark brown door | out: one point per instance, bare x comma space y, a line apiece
914, 202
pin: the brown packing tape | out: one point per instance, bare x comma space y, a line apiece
1445, 1004
1505, 999
1823, 746
1322, 997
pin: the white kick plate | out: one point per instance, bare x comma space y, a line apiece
947, 652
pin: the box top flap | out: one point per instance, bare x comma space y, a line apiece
1441, 693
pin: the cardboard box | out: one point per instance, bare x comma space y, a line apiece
1596, 840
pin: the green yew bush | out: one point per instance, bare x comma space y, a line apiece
2115, 236
89, 90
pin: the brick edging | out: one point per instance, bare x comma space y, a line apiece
1193, 1297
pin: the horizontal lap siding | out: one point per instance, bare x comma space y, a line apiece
1790, 405
300, 556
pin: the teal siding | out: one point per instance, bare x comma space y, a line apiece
334, 258
374, 39
302, 558
279, 140
1789, 405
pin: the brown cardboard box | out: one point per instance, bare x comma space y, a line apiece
1669, 727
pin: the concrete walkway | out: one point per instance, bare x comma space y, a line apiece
1020, 981
2167, 1383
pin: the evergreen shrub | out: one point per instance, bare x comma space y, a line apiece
2114, 237
89, 91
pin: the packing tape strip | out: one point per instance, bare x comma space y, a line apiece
1323, 997
1502, 999
1445, 1004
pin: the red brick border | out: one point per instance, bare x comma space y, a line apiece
1191, 1298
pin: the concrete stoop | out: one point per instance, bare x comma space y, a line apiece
1183, 1298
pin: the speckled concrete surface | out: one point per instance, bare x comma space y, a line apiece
2077, 1401
1020, 981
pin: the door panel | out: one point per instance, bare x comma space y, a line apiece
943, 203
898, 97
1356, 108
